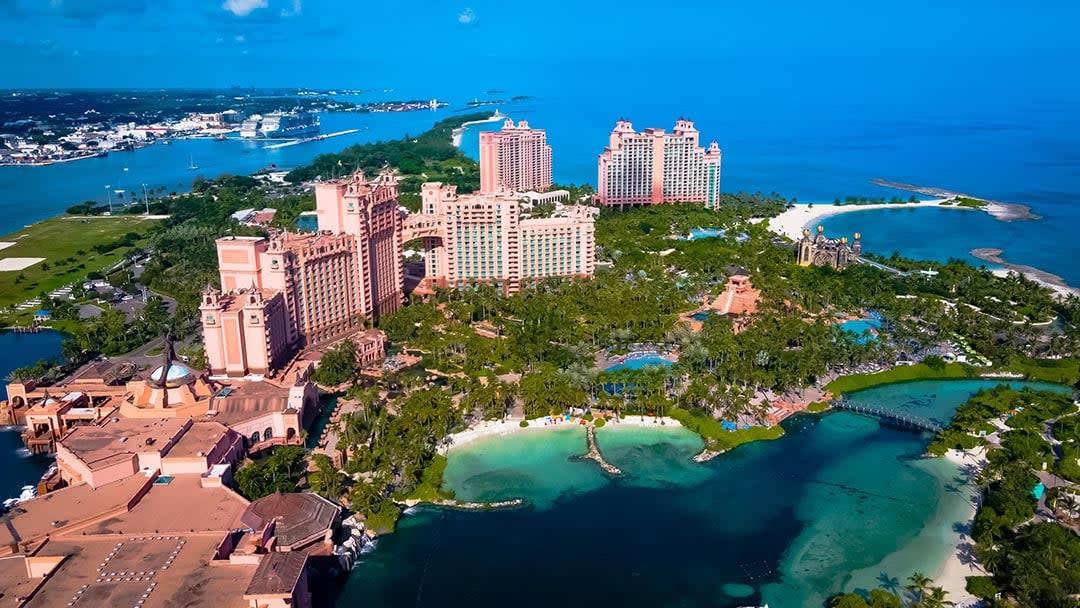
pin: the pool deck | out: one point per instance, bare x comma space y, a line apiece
605, 362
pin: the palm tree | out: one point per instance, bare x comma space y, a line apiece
935, 599
918, 585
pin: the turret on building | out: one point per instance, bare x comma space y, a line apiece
820, 250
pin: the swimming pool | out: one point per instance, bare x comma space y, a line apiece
701, 316
865, 329
704, 233
639, 361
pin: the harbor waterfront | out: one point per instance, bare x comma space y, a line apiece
838, 503
37, 193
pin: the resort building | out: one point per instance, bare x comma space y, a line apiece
654, 167
263, 412
516, 158
487, 239
822, 251
143, 523
297, 290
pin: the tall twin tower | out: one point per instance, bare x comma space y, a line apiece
290, 291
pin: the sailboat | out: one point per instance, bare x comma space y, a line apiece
192, 166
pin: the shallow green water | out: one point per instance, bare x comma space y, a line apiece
839, 503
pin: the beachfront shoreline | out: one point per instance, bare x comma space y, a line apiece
1046, 279
961, 562
792, 221
456, 134
511, 426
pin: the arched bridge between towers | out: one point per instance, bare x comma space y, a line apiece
890, 417
418, 225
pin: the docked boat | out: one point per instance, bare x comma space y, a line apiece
289, 124
250, 127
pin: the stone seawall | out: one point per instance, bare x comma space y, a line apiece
595, 455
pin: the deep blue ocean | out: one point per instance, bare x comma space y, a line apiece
1004, 128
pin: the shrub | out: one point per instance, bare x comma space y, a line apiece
981, 586
523, 423
588, 417
934, 362
600, 422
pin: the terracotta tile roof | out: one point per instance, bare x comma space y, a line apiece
300, 516
277, 574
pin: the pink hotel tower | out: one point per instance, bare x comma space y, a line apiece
488, 239
654, 167
517, 158
296, 290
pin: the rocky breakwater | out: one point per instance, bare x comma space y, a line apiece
594, 453
357, 541
465, 505
705, 455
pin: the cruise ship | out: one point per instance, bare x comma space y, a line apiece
291, 124
280, 125
250, 127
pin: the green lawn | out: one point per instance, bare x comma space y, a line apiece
1060, 371
67, 244
718, 438
903, 373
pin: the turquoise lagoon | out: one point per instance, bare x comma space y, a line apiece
839, 503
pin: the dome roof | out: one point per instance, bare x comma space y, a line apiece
178, 375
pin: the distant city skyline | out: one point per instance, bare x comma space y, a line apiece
320, 43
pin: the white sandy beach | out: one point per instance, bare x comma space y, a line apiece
790, 223
456, 134
491, 428
953, 574
1061, 290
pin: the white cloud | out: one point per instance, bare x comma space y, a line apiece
297, 9
242, 8
467, 17
240, 38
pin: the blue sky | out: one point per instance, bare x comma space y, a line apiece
361, 43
